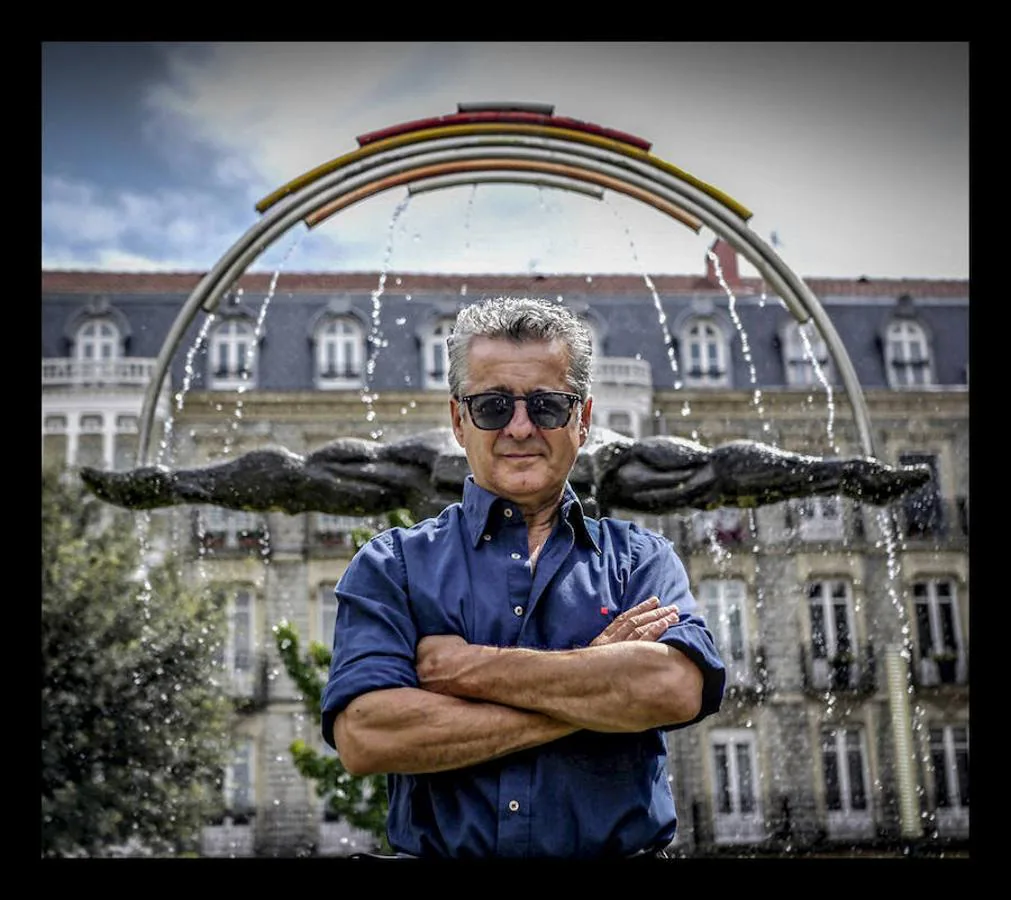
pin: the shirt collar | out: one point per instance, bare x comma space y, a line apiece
479, 509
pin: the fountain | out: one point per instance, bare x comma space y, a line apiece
425, 472
526, 144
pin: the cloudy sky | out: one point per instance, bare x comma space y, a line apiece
853, 157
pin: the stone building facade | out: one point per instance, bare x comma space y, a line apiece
845, 626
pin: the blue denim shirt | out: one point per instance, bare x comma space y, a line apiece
467, 572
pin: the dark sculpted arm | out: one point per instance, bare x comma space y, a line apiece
662, 474
349, 476
425, 472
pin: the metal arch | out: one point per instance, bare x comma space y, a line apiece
589, 157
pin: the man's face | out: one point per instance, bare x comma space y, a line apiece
521, 462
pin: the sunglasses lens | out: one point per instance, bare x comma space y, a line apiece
490, 411
548, 410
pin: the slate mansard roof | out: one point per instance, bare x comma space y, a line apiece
621, 306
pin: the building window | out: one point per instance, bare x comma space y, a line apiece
922, 510
724, 526
949, 756
621, 421
831, 618
938, 632
434, 356
845, 770
723, 605
236, 650
55, 440
819, 518
233, 355
805, 354
737, 812
339, 353
907, 355
239, 787
218, 528
91, 441
97, 340
342, 531
833, 643
327, 613
125, 442
705, 355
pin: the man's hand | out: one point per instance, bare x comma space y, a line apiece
644, 622
436, 661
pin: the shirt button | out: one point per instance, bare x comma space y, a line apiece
514, 805
515, 555
507, 512
486, 537
518, 610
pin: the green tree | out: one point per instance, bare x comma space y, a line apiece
134, 731
361, 801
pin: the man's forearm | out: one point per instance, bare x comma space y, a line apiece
410, 731
627, 686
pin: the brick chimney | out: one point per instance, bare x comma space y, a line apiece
727, 257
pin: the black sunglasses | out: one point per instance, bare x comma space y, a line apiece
492, 410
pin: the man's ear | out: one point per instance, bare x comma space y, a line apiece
585, 415
456, 417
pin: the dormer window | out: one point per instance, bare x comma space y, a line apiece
907, 355
233, 356
805, 356
339, 353
706, 355
435, 355
98, 339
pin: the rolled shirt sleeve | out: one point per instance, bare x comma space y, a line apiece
658, 570
375, 635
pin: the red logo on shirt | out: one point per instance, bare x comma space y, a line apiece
603, 610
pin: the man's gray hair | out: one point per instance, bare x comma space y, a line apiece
521, 319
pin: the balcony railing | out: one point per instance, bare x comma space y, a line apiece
855, 670
946, 519
80, 373
933, 671
622, 370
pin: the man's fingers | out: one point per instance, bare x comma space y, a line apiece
644, 621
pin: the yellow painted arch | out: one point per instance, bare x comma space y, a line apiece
568, 134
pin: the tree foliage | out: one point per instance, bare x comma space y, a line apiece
134, 729
361, 801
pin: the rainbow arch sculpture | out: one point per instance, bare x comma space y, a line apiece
522, 143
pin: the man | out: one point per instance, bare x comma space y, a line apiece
512, 664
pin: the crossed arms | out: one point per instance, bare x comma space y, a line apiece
475, 703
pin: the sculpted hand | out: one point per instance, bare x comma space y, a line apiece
438, 659
644, 622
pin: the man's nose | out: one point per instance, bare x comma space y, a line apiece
520, 423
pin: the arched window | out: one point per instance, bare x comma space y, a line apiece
907, 355
339, 353
705, 354
97, 340
805, 354
434, 355
233, 355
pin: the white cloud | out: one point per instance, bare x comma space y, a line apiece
844, 168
